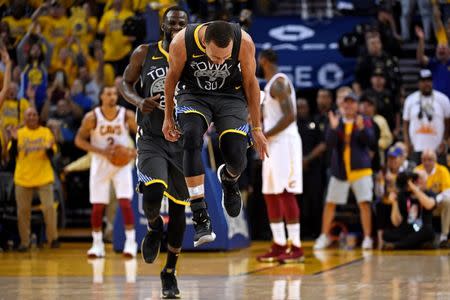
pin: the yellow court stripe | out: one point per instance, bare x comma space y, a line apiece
157, 181
197, 40
164, 52
172, 198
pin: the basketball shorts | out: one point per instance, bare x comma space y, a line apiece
282, 170
228, 114
160, 161
338, 190
103, 174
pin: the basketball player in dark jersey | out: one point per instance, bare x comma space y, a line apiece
215, 66
159, 162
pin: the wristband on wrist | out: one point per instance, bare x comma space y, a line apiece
257, 128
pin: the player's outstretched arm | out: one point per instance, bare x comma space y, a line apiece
83, 135
131, 76
251, 89
281, 91
177, 59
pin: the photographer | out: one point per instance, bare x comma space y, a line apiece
411, 213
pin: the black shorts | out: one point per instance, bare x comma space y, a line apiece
228, 114
160, 161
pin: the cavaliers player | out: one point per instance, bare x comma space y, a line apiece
159, 162
215, 66
100, 129
282, 170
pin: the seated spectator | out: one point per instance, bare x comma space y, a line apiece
384, 99
17, 22
438, 182
426, 114
411, 213
350, 138
384, 186
376, 58
79, 96
438, 65
406, 164
34, 146
369, 108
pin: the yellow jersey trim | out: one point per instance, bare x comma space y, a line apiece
232, 131
180, 202
164, 52
197, 112
157, 181
197, 40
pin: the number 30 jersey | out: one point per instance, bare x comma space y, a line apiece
201, 77
152, 79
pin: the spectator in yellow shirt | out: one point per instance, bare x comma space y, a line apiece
33, 146
18, 23
438, 182
116, 45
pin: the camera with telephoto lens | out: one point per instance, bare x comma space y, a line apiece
402, 180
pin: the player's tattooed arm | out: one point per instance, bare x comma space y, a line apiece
281, 91
130, 78
84, 133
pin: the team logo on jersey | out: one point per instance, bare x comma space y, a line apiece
109, 129
158, 76
210, 76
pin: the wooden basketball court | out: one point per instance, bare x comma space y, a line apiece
66, 273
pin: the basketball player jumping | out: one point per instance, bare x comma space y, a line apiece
282, 170
215, 64
159, 162
106, 126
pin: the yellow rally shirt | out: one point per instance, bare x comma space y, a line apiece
12, 112
439, 180
357, 174
116, 45
33, 167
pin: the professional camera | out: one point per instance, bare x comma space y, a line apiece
402, 180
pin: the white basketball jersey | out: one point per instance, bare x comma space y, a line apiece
110, 132
272, 112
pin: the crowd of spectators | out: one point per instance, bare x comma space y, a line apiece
55, 57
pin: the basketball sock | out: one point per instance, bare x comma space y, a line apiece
291, 209
171, 261
127, 212
294, 234
130, 234
97, 237
274, 207
278, 233
97, 216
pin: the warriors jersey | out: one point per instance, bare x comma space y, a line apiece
153, 75
202, 77
110, 132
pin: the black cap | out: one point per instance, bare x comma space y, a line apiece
425, 74
378, 72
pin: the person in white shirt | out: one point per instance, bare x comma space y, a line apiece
426, 117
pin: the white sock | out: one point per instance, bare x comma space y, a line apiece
278, 233
97, 237
294, 234
130, 234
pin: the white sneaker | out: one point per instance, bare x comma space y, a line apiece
130, 248
97, 250
322, 242
367, 243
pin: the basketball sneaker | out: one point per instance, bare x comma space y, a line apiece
274, 253
130, 248
322, 242
169, 285
97, 250
231, 196
367, 243
202, 224
151, 244
294, 255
